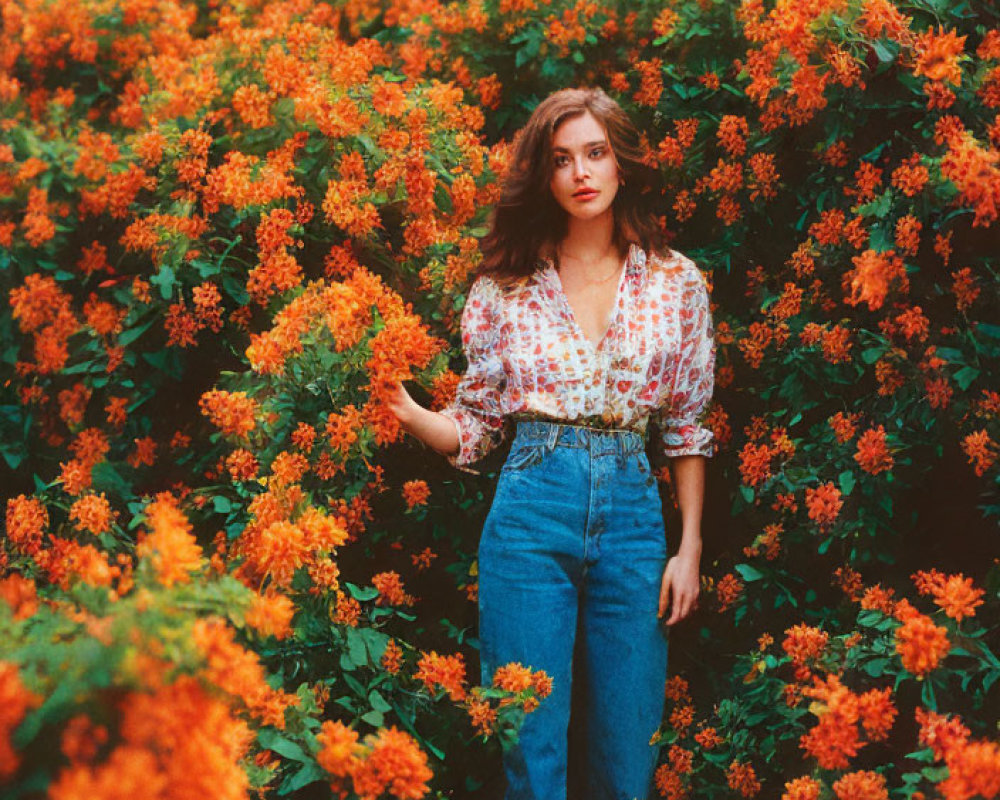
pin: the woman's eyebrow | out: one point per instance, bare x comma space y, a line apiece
588, 144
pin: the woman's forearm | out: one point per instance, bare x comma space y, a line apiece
689, 483
435, 430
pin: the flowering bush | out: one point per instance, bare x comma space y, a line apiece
228, 230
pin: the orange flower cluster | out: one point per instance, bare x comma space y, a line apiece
26, 521
169, 546
390, 589
804, 644
238, 672
973, 764
270, 614
975, 171
15, 702
92, 513
823, 504
873, 274
743, 779
938, 54
981, 450
843, 426
804, 788
728, 590
447, 672
864, 784
836, 738
873, 454
43, 309
389, 761
178, 741
920, 643
234, 413
274, 545
953, 593
415, 493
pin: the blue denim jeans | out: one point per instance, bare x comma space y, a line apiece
576, 533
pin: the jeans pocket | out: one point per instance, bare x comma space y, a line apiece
524, 456
645, 470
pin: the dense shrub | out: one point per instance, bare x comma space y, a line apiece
227, 230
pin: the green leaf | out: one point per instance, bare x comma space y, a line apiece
165, 279
374, 718
272, 740
965, 376
378, 702
749, 573
846, 482
310, 773
359, 594
876, 667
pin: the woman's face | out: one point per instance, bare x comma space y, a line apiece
584, 170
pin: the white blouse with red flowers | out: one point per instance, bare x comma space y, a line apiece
528, 358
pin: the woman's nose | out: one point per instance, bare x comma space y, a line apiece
580, 168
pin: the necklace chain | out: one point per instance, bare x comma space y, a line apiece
599, 281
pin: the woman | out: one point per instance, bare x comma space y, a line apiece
579, 327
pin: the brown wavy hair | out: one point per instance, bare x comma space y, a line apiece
527, 217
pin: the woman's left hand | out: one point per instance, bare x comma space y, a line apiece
679, 587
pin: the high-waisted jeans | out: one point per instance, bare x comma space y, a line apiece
576, 534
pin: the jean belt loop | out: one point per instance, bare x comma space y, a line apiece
553, 436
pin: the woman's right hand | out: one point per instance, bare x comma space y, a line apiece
402, 405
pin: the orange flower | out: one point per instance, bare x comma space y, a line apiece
92, 513
843, 427
348, 610
938, 55
390, 589
804, 788
20, 594
975, 171
957, 596
395, 764
482, 716
26, 520
981, 450
804, 643
242, 465
415, 493
964, 288
834, 740
873, 454
732, 134
15, 701
921, 644
824, 503
232, 412
755, 463
728, 590
392, 658
448, 672
861, 785
871, 277
178, 741
743, 779
271, 614
169, 546
340, 750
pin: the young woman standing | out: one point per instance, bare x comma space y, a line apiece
579, 327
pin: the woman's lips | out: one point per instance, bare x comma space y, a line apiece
585, 195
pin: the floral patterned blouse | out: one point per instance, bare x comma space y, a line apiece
528, 358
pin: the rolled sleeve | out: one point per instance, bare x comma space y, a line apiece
679, 418
477, 410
